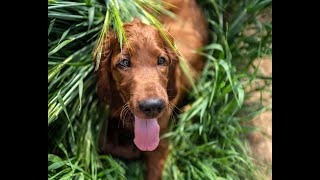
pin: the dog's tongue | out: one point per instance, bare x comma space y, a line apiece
146, 134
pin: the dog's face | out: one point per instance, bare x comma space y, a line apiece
142, 72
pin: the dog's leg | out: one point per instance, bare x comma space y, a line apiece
155, 161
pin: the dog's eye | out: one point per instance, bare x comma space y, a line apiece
125, 63
161, 61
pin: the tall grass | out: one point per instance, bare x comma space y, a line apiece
206, 140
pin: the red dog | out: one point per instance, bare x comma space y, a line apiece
144, 82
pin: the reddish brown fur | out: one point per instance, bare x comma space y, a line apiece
122, 89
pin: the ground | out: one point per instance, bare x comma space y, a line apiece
261, 140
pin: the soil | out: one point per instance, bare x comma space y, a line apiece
261, 141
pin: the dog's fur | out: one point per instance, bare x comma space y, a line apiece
123, 88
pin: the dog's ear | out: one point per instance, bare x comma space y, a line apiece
104, 71
174, 62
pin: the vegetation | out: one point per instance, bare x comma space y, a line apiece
207, 139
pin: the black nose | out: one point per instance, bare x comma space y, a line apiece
151, 107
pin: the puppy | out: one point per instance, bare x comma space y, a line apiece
143, 82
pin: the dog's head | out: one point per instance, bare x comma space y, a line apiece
143, 73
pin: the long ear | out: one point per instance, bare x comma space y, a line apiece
172, 86
104, 72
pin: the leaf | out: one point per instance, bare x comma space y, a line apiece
203, 106
64, 35
54, 158
73, 4
56, 165
99, 45
214, 46
67, 176
200, 129
66, 113
227, 70
51, 26
118, 26
240, 90
63, 105
81, 177
90, 16
56, 49
59, 173
65, 16
214, 89
185, 67
56, 69
234, 27
98, 59
222, 85
80, 92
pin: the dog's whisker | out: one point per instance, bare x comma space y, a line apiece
127, 113
123, 109
120, 109
175, 106
175, 113
127, 110
172, 108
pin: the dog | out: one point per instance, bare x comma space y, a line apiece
143, 82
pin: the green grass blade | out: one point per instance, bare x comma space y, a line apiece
60, 46
70, 4
66, 113
50, 26
227, 70
54, 158
80, 93
64, 35
65, 16
186, 70
90, 16
213, 46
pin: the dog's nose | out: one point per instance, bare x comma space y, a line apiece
151, 107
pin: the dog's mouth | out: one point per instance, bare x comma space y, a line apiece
146, 133
146, 128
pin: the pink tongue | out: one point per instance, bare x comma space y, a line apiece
146, 134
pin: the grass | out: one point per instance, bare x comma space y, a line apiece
208, 137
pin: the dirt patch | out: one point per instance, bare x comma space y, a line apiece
261, 140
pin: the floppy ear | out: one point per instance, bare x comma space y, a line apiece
104, 72
172, 86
